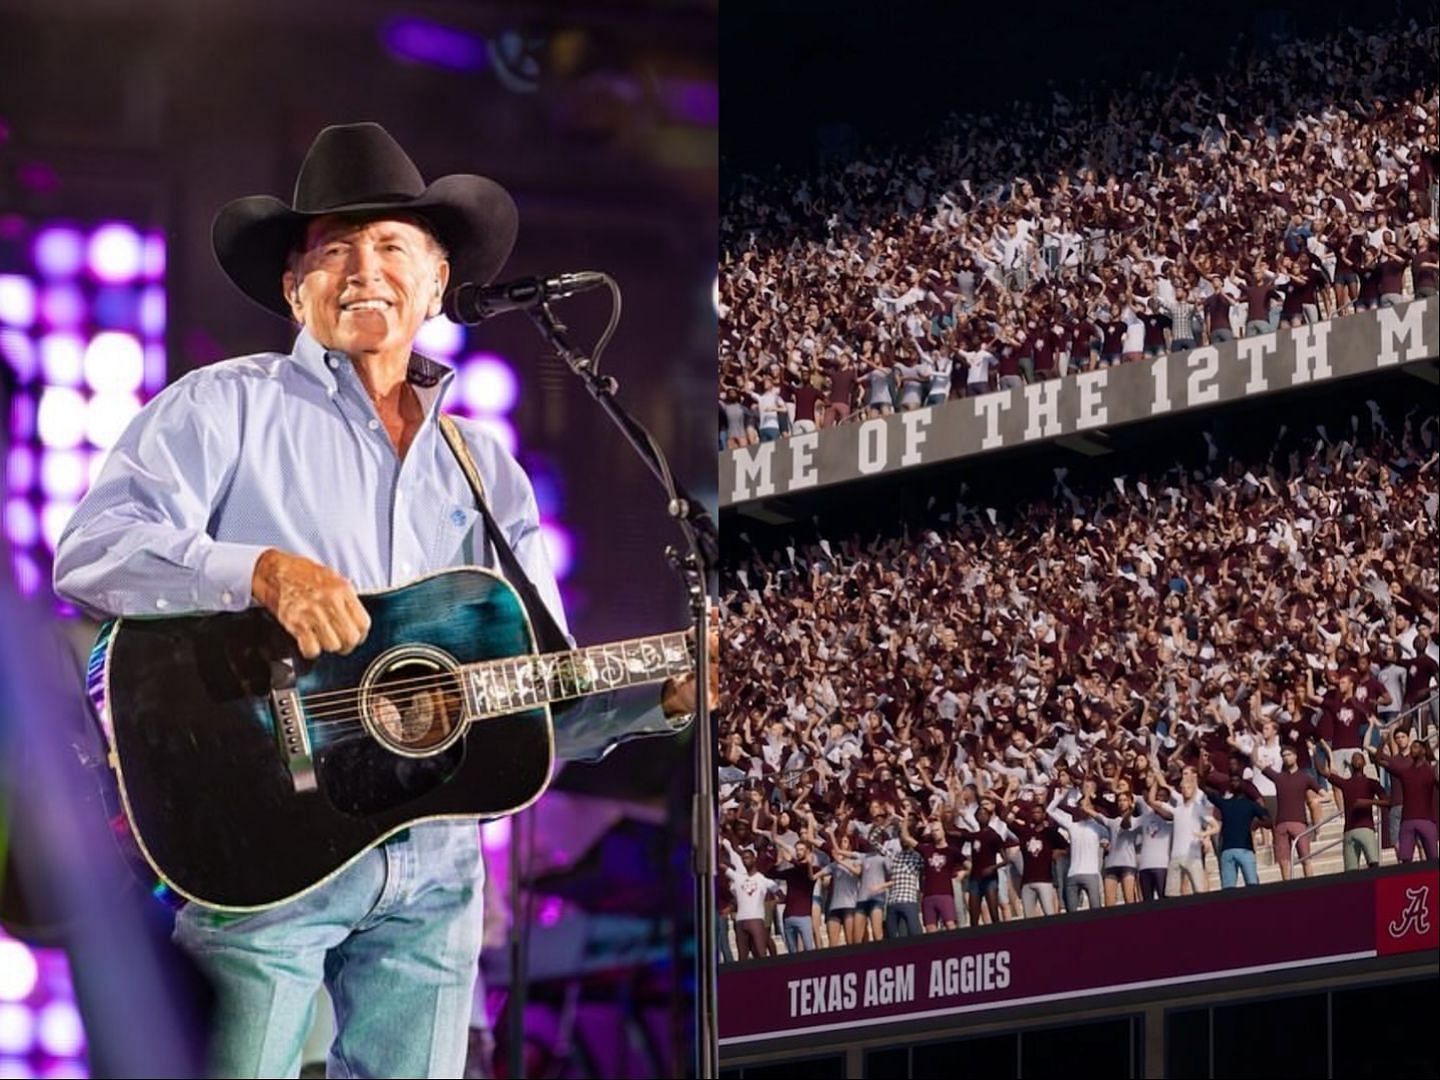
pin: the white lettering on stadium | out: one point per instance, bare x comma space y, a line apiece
971, 974
823, 994
1207, 375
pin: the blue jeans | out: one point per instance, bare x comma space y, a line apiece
1242, 859
799, 930
395, 937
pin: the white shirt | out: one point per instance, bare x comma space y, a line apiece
1085, 836
1190, 818
750, 889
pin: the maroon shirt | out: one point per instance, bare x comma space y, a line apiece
1418, 672
1343, 721
1114, 342
1044, 350
1155, 326
940, 866
1418, 784
1290, 789
799, 889
1392, 276
806, 397
1352, 789
986, 851
842, 386
1037, 851
1009, 357
1296, 734
1257, 301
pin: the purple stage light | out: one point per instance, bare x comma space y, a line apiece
107, 416
152, 311
62, 359
152, 257
17, 1030
17, 349
501, 429
21, 525
59, 252
495, 835
440, 338
550, 910
60, 1030
73, 1069
560, 547
26, 572
18, 970
488, 384
116, 307
62, 306
61, 417
64, 474
115, 253
22, 417
19, 469
17, 300
547, 491
53, 519
424, 42
156, 365
114, 362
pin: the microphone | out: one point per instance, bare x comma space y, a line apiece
470, 303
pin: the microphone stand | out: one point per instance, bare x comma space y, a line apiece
697, 567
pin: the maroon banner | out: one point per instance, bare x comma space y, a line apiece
1244, 932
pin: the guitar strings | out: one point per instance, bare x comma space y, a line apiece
343, 718
323, 703
347, 711
320, 696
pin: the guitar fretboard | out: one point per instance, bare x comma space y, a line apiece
495, 687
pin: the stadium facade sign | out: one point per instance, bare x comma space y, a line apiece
1210, 375
1072, 957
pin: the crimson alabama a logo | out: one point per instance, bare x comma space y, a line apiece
1416, 916
1406, 915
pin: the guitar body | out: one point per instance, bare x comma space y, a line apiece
232, 813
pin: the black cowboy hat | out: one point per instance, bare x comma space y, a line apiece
361, 169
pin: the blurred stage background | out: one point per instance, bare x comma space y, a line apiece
124, 125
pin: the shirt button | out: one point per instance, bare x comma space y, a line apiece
333, 362
162, 603
227, 597
374, 425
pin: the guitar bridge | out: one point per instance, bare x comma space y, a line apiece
290, 731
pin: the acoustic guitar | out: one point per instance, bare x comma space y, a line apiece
249, 775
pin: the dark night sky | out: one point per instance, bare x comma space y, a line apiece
891, 69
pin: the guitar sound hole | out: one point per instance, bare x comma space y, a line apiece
415, 706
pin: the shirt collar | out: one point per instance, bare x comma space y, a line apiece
430, 378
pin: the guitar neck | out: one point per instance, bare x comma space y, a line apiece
495, 687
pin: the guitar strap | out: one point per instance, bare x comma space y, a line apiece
548, 635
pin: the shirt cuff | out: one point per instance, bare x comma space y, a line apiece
591, 730
225, 575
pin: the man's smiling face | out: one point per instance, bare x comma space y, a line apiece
365, 287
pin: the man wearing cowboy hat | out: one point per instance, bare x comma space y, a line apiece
292, 481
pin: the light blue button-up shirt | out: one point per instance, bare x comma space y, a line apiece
287, 451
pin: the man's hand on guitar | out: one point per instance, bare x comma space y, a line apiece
317, 606
677, 698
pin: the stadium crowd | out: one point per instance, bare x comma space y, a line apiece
1093, 230
1084, 699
